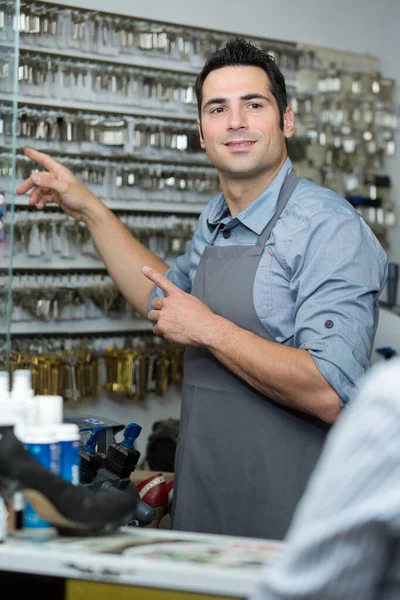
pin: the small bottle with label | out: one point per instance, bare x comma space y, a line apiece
69, 440
22, 397
42, 444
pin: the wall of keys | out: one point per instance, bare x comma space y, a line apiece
112, 98
79, 368
47, 238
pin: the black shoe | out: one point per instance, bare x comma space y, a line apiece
73, 510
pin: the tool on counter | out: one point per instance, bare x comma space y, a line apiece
122, 457
91, 460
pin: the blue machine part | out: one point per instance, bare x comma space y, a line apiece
91, 444
131, 433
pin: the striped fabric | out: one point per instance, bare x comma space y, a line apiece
344, 541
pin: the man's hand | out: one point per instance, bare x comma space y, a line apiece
288, 376
58, 185
179, 317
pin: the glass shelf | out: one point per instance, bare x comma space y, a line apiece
9, 52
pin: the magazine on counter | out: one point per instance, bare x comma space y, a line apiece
221, 551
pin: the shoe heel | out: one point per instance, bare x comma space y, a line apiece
8, 487
73, 509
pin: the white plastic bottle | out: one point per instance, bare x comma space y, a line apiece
4, 386
49, 410
28, 419
7, 407
22, 395
69, 440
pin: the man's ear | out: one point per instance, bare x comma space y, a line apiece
288, 122
200, 130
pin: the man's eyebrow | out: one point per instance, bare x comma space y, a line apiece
253, 96
214, 101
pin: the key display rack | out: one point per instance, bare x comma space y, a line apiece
112, 98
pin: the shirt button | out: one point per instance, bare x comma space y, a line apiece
226, 233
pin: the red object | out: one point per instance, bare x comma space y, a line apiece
154, 490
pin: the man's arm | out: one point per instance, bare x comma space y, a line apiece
335, 285
123, 256
121, 253
344, 532
337, 270
287, 375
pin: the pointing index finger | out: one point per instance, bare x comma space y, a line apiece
160, 280
43, 159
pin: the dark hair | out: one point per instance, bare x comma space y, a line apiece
240, 52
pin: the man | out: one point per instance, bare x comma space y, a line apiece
275, 299
344, 543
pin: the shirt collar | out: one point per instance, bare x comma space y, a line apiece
258, 213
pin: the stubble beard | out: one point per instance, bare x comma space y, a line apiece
241, 170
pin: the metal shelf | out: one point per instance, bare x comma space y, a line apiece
184, 114
82, 263
103, 325
134, 60
24, 262
97, 107
114, 154
181, 208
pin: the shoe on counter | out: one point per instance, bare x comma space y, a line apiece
73, 510
154, 492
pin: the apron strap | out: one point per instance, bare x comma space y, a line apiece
284, 195
286, 191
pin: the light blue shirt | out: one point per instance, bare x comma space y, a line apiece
344, 541
319, 278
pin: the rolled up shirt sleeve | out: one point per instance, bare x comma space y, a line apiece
338, 270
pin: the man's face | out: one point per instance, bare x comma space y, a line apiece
240, 122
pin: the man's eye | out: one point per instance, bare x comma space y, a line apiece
218, 109
255, 105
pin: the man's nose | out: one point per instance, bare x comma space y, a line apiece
237, 119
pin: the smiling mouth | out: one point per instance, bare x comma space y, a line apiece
242, 143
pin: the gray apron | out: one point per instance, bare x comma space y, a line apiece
243, 460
